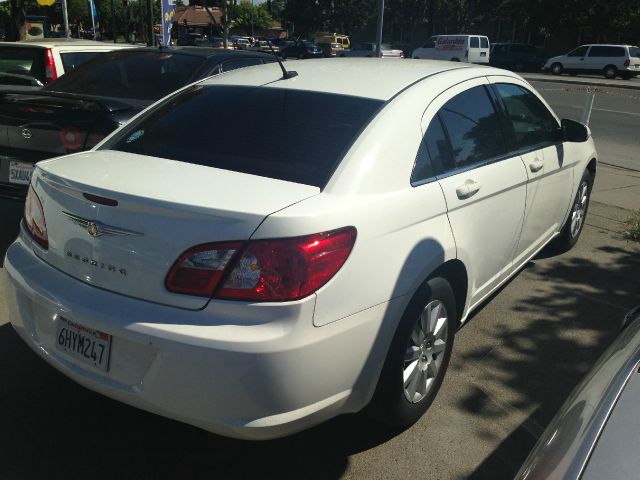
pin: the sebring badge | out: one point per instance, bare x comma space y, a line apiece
97, 229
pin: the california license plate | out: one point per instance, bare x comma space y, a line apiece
85, 344
20, 173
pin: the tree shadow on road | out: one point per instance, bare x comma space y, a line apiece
564, 324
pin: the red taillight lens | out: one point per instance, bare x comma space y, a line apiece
264, 270
627, 62
288, 269
50, 67
34, 218
199, 270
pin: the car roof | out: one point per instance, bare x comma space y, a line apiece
605, 45
374, 78
64, 42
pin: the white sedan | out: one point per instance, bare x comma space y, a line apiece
257, 283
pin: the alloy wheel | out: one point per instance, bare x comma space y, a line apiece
425, 351
579, 209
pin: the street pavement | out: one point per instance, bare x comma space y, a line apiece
513, 365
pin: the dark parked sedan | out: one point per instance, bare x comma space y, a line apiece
302, 49
518, 57
78, 110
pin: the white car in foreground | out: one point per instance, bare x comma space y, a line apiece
257, 284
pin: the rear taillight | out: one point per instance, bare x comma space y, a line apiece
34, 218
627, 62
50, 67
265, 270
199, 270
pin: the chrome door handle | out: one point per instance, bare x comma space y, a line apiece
536, 166
467, 189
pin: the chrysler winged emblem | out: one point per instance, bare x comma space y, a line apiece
26, 133
97, 229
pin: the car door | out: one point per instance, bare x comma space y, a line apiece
484, 186
535, 135
575, 60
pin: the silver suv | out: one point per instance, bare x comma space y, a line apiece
609, 60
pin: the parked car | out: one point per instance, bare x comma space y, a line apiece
213, 42
302, 49
368, 49
456, 48
515, 56
609, 60
77, 111
327, 37
246, 284
330, 49
263, 46
48, 59
595, 434
242, 43
188, 39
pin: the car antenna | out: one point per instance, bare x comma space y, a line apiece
286, 74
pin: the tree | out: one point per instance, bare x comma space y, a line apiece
251, 18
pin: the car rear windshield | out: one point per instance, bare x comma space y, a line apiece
22, 61
293, 135
143, 75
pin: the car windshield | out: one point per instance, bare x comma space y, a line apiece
302, 135
146, 75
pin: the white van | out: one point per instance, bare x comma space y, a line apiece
457, 48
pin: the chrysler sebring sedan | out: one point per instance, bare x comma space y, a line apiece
257, 283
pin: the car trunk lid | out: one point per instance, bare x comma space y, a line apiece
164, 207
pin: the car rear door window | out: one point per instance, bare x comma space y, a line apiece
474, 42
300, 136
532, 122
239, 63
434, 154
473, 127
484, 42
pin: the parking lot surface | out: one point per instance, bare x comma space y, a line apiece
513, 365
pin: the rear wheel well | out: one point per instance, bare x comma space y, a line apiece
455, 273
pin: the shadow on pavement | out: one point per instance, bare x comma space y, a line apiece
565, 323
10, 215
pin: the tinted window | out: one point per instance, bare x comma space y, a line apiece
239, 63
72, 60
144, 75
578, 52
602, 51
22, 61
301, 136
473, 127
484, 42
522, 49
434, 154
532, 123
634, 51
474, 42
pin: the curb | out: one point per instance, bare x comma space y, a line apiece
595, 83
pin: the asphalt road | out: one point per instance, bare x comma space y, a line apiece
614, 122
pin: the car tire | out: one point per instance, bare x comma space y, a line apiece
610, 71
556, 68
518, 66
418, 356
572, 228
454, 60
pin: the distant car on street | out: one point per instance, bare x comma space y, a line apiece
77, 111
368, 49
596, 433
242, 43
456, 48
263, 46
331, 49
518, 57
47, 59
608, 60
302, 49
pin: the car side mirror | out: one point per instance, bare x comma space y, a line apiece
574, 131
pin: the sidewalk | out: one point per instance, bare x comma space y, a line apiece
593, 81
617, 187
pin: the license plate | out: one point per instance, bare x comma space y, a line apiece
20, 173
85, 344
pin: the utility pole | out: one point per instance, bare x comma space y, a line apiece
151, 42
65, 17
379, 28
113, 21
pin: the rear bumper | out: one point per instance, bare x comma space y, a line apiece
252, 371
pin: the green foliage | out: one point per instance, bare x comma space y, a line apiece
251, 17
631, 229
